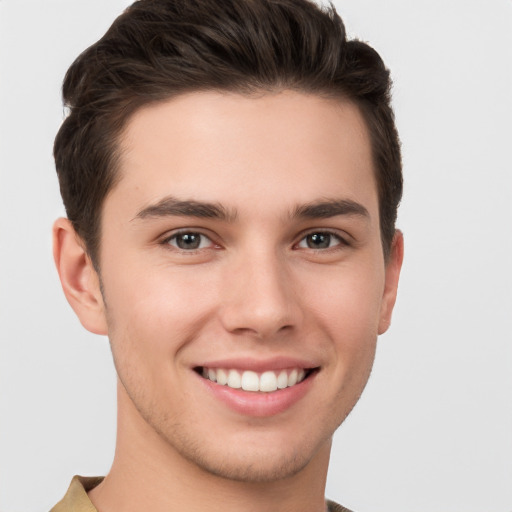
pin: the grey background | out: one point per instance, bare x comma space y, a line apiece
433, 431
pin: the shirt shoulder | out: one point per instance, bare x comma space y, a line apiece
76, 499
334, 507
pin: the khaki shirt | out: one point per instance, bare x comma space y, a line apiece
76, 499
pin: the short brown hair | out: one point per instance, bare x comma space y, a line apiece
158, 49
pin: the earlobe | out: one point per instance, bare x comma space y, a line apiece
78, 277
393, 267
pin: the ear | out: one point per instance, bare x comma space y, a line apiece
393, 266
78, 277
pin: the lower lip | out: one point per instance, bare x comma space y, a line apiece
259, 404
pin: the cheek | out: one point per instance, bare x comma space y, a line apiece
344, 316
348, 303
158, 309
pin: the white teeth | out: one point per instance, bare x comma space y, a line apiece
250, 381
234, 379
265, 382
282, 380
268, 382
222, 377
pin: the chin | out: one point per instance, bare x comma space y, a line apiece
262, 457
262, 467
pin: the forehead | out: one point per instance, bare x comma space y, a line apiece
286, 148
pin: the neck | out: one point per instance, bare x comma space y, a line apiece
148, 473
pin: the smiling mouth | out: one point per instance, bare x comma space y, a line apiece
247, 380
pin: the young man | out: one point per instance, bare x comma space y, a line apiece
231, 174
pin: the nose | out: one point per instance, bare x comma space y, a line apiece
260, 297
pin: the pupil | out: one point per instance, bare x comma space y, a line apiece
319, 241
188, 241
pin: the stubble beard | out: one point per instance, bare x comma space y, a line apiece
228, 462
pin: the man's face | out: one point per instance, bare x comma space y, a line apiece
242, 243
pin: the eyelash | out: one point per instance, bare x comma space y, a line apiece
183, 233
341, 241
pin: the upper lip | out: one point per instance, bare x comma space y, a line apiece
260, 365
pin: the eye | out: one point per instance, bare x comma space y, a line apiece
189, 241
320, 240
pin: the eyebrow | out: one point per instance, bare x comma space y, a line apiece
330, 208
171, 206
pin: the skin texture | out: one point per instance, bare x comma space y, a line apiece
254, 290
